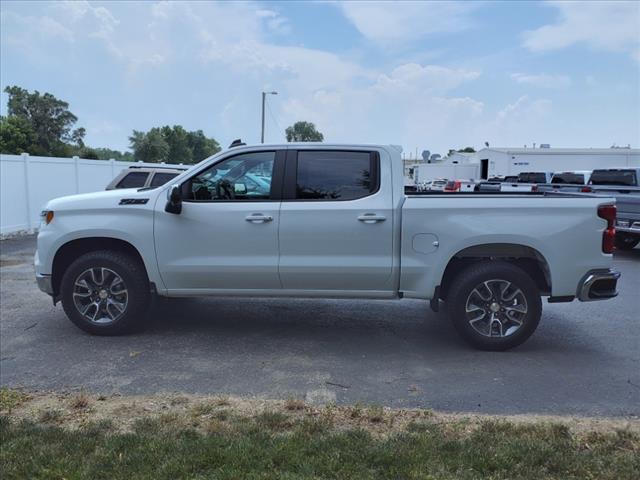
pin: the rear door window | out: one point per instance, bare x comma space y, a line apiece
335, 175
133, 180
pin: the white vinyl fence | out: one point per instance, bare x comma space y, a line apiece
28, 183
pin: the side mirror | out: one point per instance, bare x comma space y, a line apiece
174, 200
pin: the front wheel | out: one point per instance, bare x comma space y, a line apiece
494, 305
105, 292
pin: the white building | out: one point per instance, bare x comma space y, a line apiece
511, 161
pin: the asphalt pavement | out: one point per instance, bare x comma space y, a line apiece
584, 358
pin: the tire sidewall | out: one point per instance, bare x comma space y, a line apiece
121, 265
471, 277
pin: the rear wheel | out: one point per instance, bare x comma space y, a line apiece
626, 242
494, 305
105, 292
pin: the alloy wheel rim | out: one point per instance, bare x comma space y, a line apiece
496, 308
100, 295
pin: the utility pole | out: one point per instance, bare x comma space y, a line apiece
264, 97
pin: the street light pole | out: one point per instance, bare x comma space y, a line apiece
264, 96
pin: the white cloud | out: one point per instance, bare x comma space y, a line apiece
542, 80
601, 25
232, 46
524, 109
397, 23
420, 80
274, 21
22, 29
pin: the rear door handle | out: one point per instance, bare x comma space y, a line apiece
371, 218
258, 218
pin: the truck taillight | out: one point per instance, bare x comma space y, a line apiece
608, 212
586, 190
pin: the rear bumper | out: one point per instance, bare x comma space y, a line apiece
628, 226
598, 285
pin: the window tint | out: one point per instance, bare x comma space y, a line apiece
614, 177
162, 178
133, 180
532, 177
243, 177
569, 178
325, 175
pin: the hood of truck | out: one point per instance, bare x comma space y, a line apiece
104, 199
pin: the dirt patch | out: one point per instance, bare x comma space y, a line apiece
73, 411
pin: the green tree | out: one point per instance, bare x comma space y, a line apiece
172, 145
16, 135
107, 154
77, 136
201, 146
48, 116
149, 147
303, 132
178, 140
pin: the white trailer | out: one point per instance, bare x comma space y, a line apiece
511, 161
452, 171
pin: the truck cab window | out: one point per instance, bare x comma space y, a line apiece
133, 180
332, 175
242, 177
162, 178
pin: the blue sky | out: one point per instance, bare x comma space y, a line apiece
424, 75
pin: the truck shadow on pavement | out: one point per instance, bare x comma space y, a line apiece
397, 326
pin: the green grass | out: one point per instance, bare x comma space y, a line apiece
11, 398
271, 445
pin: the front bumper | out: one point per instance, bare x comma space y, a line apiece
44, 283
598, 285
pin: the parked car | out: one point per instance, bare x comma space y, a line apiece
438, 185
628, 221
572, 181
488, 186
452, 186
335, 223
459, 186
527, 182
575, 177
422, 186
623, 184
144, 177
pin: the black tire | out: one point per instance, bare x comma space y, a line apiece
464, 295
134, 283
626, 242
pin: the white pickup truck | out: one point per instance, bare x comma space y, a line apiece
318, 220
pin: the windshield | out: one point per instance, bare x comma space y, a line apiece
626, 178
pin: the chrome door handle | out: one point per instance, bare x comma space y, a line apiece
258, 218
371, 218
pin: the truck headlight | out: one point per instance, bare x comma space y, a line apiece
46, 216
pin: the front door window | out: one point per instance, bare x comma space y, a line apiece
243, 177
